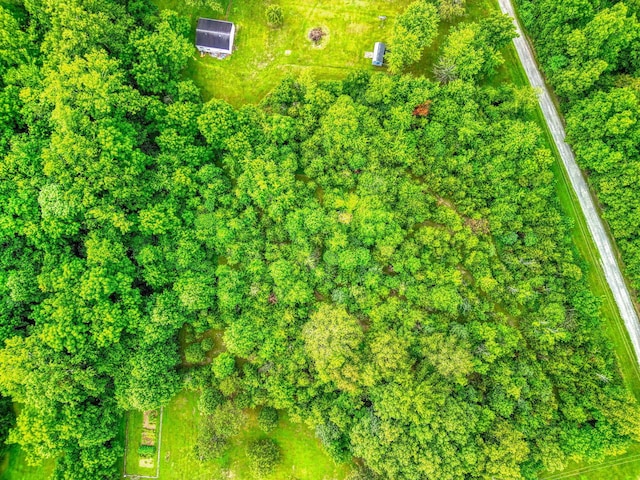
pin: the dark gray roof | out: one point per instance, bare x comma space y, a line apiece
213, 33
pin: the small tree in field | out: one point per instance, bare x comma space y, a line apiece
445, 70
449, 9
275, 17
264, 455
268, 419
414, 30
212, 4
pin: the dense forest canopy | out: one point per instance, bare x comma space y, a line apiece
385, 256
590, 51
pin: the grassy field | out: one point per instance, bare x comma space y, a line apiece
624, 467
265, 55
302, 453
14, 467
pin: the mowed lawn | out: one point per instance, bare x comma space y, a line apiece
13, 466
265, 55
302, 454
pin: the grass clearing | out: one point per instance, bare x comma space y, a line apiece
14, 467
302, 453
265, 55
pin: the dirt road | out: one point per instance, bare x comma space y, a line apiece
594, 222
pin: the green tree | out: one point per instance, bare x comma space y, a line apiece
264, 455
413, 31
332, 339
274, 14
163, 54
213, 5
267, 419
450, 9
473, 49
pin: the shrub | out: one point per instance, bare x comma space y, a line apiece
212, 4
210, 399
197, 378
333, 440
362, 473
189, 334
210, 443
194, 354
227, 420
207, 344
264, 455
450, 9
223, 365
146, 451
268, 419
275, 17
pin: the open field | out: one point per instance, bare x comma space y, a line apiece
261, 58
302, 452
14, 467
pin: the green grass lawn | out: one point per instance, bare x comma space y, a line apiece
624, 467
13, 466
302, 452
260, 61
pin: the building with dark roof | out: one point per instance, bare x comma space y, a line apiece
215, 36
378, 54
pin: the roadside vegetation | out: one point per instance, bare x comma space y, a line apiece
590, 56
374, 267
